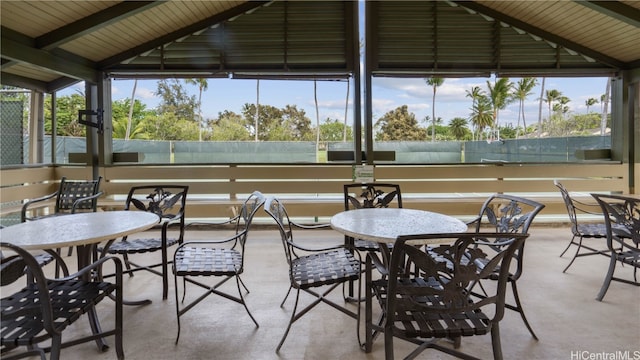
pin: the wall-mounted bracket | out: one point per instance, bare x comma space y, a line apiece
84, 114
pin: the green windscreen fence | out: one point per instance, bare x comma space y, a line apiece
544, 150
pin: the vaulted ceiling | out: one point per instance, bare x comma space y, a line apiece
48, 45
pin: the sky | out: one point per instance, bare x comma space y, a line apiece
388, 94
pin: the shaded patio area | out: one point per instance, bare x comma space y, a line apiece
561, 308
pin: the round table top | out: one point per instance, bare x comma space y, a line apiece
386, 224
77, 229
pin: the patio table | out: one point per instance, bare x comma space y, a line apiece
384, 225
82, 230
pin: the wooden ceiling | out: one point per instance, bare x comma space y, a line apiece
48, 45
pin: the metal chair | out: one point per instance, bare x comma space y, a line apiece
222, 257
580, 230
327, 267
436, 304
168, 202
369, 195
622, 220
72, 196
43, 259
44, 308
501, 213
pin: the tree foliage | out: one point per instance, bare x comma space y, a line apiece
333, 130
399, 124
287, 124
228, 127
175, 99
66, 115
434, 82
176, 119
120, 112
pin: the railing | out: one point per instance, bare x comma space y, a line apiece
314, 192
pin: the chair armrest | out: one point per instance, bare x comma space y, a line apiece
166, 220
88, 270
212, 241
304, 248
25, 206
584, 207
310, 227
378, 264
474, 221
215, 223
81, 200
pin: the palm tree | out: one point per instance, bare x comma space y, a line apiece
133, 95
257, 107
315, 98
541, 100
203, 85
458, 127
482, 115
590, 102
119, 130
563, 101
605, 108
434, 82
551, 96
346, 110
475, 93
500, 96
523, 89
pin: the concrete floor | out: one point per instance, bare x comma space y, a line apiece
562, 309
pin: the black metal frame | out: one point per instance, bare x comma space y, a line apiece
622, 219
436, 301
161, 200
581, 230
223, 257
327, 267
45, 307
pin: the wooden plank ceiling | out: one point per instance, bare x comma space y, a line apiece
48, 45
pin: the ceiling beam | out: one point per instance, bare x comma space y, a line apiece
60, 83
16, 48
616, 10
23, 82
91, 23
188, 30
598, 56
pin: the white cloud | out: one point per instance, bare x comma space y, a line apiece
145, 93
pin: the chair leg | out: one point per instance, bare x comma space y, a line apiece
568, 246
574, 256
521, 310
243, 285
165, 275
56, 344
291, 320
119, 323
175, 278
184, 288
607, 279
244, 303
127, 264
388, 344
495, 342
286, 296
